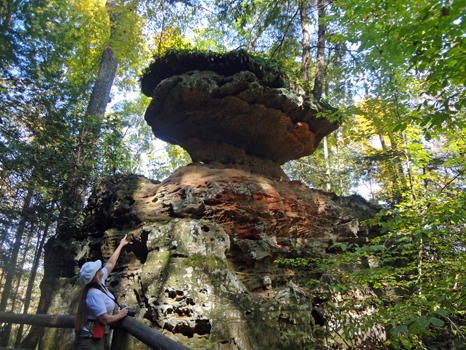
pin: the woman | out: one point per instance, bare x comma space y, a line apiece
96, 304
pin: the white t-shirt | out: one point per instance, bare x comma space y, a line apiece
98, 302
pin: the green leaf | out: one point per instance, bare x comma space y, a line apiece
399, 329
441, 312
423, 324
437, 322
400, 127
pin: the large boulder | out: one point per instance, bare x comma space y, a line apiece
201, 264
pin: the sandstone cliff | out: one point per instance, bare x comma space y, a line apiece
200, 266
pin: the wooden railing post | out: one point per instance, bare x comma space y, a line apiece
6, 332
120, 339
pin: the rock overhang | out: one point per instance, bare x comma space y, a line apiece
234, 114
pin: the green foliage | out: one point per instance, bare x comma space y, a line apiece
204, 343
405, 139
405, 39
174, 157
269, 27
310, 170
174, 62
128, 145
409, 280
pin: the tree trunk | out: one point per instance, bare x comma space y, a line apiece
10, 268
366, 86
306, 61
72, 201
340, 180
408, 170
382, 141
19, 274
366, 97
320, 62
262, 27
327, 166
36, 332
7, 330
399, 177
253, 40
31, 281
100, 95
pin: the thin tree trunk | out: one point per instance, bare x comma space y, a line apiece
320, 62
261, 28
31, 281
19, 274
366, 86
340, 180
5, 256
366, 97
7, 330
10, 268
306, 61
327, 166
399, 178
257, 33
382, 141
408, 169
327, 162
36, 332
326, 87
253, 40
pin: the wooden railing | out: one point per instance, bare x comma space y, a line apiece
152, 338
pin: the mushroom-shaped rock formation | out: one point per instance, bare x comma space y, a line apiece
233, 110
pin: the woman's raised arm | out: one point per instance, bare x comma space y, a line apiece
113, 259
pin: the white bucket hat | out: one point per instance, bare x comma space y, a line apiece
88, 271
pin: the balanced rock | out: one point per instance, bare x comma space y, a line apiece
242, 119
